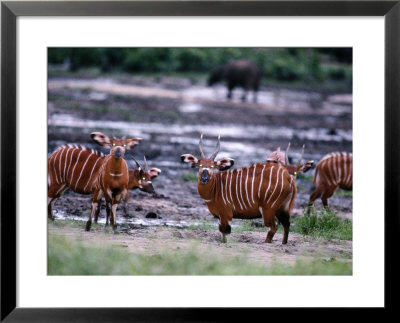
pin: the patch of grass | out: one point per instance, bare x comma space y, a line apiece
248, 226
189, 177
306, 177
204, 225
73, 257
344, 193
325, 224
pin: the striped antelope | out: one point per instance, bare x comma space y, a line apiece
283, 159
113, 176
333, 170
140, 178
62, 176
262, 190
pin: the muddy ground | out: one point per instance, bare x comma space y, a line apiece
169, 114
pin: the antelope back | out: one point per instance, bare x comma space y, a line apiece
335, 169
75, 166
247, 189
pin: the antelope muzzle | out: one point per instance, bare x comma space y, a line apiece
118, 152
205, 177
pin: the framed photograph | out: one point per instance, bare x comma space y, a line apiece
182, 124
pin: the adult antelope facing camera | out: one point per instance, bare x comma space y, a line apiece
113, 178
283, 159
333, 171
262, 190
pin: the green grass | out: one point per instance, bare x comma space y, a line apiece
189, 177
344, 193
324, 224
72, 257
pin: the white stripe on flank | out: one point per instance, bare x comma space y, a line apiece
269, 182
54, 165
276, 185
59, 164
245, 186
252, 183
65, 164
344, 166
226, 187
91, 173
222, 190
69, 165
73, 170
237, 189
240, 184
84, 165
230, 189
261, 178
340, 162
280, 190
325, 174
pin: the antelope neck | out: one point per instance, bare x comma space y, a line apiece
207, 191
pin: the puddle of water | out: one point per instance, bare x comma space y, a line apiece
232, 131
143, 222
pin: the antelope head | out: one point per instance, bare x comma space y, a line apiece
117, 146
143, 177
207, 165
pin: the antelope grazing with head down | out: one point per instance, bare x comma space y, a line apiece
262, 190
283, 159
334, 170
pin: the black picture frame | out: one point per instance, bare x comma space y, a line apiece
10, 10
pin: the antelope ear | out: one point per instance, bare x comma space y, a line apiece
306, 166
132, 142
100, 138
224, 163
154, 172
190, 159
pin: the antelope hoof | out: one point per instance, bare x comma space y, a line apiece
88, 225
269, 240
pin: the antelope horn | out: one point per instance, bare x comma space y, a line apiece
137, 164
302, 153
200, 146
287, 154
146, 167
216, 149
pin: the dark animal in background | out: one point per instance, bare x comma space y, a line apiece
264, 190
333, 170
238, 73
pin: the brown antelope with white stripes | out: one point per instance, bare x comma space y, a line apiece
262, 190
76, 168
113, 177
140, 178
283, 159
333, 171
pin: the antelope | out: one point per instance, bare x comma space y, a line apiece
86, 162
283, 159
333, 170
138, 178
113, 176
262, 190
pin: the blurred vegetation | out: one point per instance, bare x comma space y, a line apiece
73, 257
306, 66
323, 223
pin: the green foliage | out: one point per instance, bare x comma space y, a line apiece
277, 64
189, 177
72, 257
323, 223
